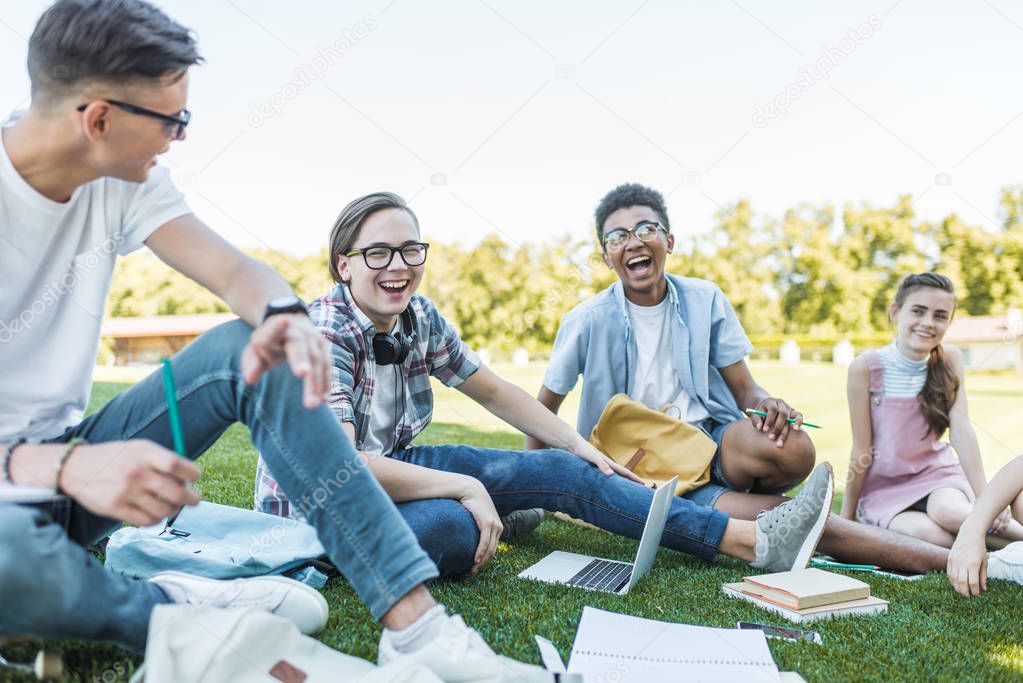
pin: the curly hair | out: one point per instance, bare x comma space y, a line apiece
626, 195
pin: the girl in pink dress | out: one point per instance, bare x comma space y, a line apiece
902, 399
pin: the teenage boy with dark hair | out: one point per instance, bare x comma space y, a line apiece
669, 340
79, 185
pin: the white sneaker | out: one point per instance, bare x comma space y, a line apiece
278, 595
458, 654
1006, 563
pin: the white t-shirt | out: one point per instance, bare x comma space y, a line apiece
56, 261
655, 383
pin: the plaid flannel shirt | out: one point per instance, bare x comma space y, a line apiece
438, 351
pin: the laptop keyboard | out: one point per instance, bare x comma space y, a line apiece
603, 575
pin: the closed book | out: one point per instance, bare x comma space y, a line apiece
864, 606
803, 588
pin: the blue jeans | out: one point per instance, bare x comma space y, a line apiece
446, 531
562, 482
51, 587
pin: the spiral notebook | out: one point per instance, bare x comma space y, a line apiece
626, 649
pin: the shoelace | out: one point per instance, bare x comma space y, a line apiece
779, 513
775, 515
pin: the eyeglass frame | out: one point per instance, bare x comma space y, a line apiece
632, 231
180, 121
394, 250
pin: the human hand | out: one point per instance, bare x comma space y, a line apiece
137, 481
1001, 521
291, 338
477, 501
967, 564
776, 424
590, 454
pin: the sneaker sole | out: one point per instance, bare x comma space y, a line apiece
813, 538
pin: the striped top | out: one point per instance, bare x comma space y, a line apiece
902, 376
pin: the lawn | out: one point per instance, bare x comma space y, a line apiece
929, 633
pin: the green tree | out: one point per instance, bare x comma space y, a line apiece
888, 243
983, 265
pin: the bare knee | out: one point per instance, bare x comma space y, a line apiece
798, 456
791, 464
949, 508
949, 518
919, 525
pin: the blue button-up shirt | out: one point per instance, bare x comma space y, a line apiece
596, 340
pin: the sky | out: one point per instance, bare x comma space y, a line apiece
516, 117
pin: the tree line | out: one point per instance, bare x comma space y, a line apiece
814, 271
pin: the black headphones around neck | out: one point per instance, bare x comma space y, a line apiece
393, 349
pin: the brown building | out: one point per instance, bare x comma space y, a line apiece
989, 342
144, 341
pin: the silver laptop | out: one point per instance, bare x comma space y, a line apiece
598, 574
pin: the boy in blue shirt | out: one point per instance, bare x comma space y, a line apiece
676, 341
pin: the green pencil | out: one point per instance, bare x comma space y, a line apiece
750, 411
170, 392
842, 565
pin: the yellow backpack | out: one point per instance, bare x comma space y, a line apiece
653, 444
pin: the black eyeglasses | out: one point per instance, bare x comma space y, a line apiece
644, 230
175, 125
380, 257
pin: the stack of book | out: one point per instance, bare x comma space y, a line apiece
805, 595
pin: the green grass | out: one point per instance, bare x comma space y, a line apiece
929, 632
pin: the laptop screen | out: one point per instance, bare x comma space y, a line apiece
652, 532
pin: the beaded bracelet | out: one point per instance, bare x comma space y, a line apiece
5, 460
68, 449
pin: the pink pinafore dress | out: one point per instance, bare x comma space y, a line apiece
909, 461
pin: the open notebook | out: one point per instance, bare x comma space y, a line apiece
625, 649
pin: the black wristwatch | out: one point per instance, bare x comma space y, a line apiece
285, 304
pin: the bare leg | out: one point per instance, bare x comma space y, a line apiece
949, 508
746, 505
849, 541
414, 605
920, 525
750, 459
739, 540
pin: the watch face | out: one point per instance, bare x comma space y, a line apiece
283, 302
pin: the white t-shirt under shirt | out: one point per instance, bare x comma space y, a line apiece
56, 261
655, 383
385, 408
